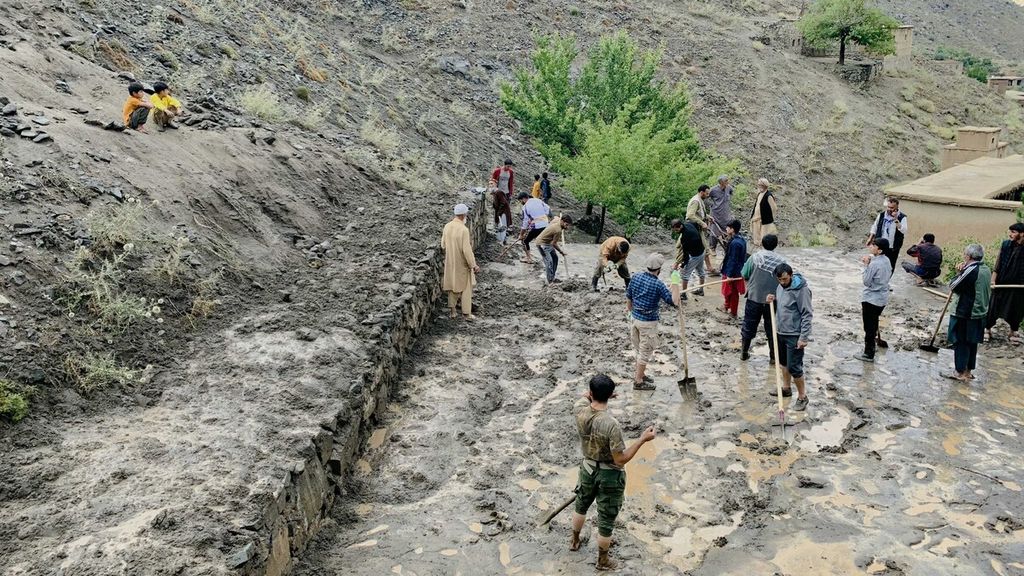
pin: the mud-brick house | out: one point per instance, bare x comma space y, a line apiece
977, 199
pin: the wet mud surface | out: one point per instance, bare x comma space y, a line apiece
892, 470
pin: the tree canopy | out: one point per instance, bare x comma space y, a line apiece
620, 135
855, 21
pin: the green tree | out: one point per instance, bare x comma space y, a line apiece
553, 107
620, 136
974, 66
848, 20
641, 173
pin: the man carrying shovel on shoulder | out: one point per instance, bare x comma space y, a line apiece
644, 296
601, 476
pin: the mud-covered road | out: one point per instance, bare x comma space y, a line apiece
892, 470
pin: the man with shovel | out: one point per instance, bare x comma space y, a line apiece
601, 476
971, 291
644, 296
548, 243
793, 326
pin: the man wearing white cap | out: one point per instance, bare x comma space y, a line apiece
459, 263
644, 296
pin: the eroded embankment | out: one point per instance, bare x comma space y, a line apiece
892, 470
298, 507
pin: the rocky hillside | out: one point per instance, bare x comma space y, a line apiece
985, 27
325, 145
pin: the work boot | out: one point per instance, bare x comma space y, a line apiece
745, 350
786, 392
800, 405
604, 561
865, 357
643, 386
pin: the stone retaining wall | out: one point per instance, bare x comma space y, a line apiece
294, 513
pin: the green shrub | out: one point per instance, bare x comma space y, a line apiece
952, 254
974, 66
94, 371
13, 400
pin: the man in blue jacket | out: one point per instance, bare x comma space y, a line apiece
794, 315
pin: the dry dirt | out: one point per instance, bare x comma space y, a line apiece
892, 470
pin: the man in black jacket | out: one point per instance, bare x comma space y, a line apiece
690, 253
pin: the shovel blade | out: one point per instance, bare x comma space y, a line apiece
929, 348
688, 387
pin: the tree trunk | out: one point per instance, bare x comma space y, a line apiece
600, 227
842, 50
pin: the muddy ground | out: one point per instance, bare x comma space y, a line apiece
892, 470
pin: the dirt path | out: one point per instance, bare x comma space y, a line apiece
892, 470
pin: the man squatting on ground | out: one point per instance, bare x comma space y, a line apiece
875, 295
602, 476
548, 243
644, 296
929, 260
689, 254
759, 272
732, 267
794, 314
971, 293
1008, 303
460, 266
890, 224
614, 251
535, 220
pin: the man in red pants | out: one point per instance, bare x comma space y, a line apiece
732, 266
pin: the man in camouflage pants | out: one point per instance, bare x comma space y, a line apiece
601, 477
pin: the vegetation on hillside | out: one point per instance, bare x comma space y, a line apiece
974, 66
620, 136
828, 21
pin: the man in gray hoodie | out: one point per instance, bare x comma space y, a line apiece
794, 315
877, 271
759, 272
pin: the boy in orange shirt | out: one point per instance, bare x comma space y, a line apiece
136, 110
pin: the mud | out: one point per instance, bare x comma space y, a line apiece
892, 470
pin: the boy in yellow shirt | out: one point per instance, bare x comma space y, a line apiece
165, 106
136, 109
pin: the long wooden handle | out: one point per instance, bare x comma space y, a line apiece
1016, 286
934, 292
778, 360
715, 283
941, 316
682, 344
556, 511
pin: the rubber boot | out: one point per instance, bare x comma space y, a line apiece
593, 283
604, 561
745, 351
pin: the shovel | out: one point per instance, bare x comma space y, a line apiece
778, 370
688, 384
930, 346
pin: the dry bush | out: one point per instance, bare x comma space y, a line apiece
381, 134
96, 370
262, 102
391, 40
113, 231
114, 52
310, 71
310, 119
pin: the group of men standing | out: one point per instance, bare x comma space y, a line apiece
764, 277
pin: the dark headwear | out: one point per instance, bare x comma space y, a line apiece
509, 162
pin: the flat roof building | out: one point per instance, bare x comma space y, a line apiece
977, 199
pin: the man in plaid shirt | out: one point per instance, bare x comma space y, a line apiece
643, 299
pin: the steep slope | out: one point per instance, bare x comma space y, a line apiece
985, 27
327, 144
